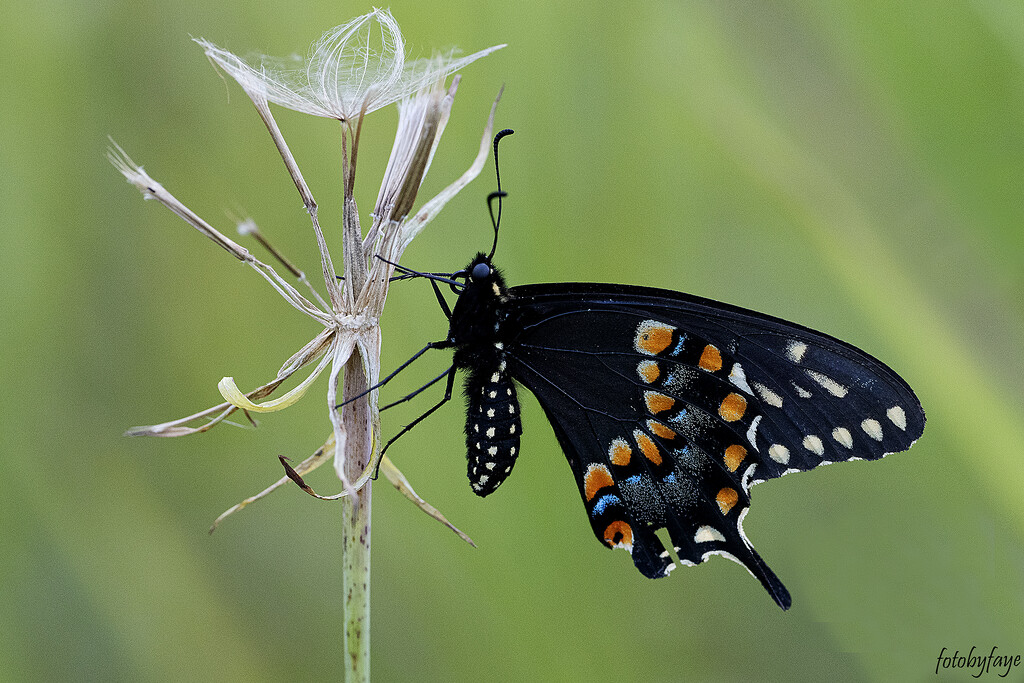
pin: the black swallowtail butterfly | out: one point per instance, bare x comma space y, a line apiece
669, 407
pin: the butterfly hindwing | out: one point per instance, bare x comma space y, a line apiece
708, 399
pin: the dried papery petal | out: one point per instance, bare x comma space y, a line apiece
414, 225
231, 393
360, 63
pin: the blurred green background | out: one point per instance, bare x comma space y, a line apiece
856, 167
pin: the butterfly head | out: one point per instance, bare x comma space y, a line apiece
478, 311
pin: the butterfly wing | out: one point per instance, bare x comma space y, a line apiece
670, 407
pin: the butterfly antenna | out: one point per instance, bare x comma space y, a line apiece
499, 194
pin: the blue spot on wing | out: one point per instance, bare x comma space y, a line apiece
679, 346
603, 502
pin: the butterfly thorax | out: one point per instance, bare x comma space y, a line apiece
492, 409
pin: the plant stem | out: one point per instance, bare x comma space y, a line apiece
356, 528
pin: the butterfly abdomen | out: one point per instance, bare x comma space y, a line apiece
492, 427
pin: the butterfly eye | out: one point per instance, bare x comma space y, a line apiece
481, 271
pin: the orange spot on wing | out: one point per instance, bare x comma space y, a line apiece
653, 337
617, 534
710, 359
732, 408
647, 447
596, 478
658, 403
660, 430
734, 456
620, 452
649, 371
727, 498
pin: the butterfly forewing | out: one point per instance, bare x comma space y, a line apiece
669, 407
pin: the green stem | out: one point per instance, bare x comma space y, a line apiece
356, 530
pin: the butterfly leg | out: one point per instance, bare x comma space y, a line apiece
440, 300
418, 391
447, 397
403, 366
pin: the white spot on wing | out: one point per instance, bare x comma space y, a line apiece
768, 396
745, 483
496, 377
830, 385
490, 432
872, 428
493, 450
739, 378
752, 433
814, 444
707, 533
800, 391
843, 436
897, 417
795, 351
779, 453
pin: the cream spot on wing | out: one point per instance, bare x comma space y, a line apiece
897, 417
872, 428
707, 533
795, 351
800, 391
752, 433
843, 436
830, 385
779, 453
814, 444
490, 432
739, 378
768, 396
